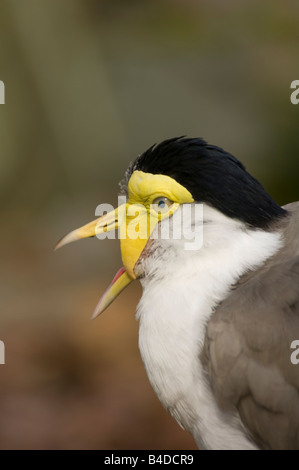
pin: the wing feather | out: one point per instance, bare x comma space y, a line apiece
247, 350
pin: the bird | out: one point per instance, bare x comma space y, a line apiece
219, 312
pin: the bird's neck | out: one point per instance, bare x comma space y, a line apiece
179, 297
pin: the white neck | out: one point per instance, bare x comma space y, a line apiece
180, 290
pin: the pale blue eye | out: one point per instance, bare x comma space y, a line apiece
162, 204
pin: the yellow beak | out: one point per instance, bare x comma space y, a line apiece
125, 218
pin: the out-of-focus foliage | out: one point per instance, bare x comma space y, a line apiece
89, 84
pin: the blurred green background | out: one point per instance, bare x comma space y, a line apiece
90, 84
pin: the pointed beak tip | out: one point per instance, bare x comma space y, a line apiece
58, 245
69, 238
120, 282
96, 314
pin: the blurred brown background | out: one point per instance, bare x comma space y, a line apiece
89, 85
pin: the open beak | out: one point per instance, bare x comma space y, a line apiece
131, 246
120, 282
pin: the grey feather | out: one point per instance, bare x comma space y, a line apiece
247, 346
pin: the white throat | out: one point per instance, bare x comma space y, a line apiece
180, 291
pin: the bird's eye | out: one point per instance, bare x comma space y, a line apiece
162, 204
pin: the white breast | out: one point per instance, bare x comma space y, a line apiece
180, 291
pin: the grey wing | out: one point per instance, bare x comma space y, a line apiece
247, 354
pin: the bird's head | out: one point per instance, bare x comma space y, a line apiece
177, 173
